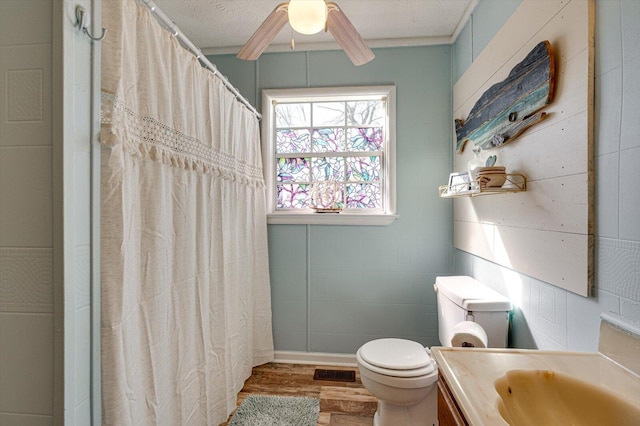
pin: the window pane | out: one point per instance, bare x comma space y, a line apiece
327, 168
293, 115
293, 196
363, 196
293, 170
292, 141
365, 113
364, 139
363, 168
328, 140
328, 114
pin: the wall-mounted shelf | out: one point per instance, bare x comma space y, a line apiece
514, 182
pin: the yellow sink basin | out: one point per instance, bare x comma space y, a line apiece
543, 397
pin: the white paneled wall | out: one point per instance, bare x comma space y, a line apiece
549, 317
26, 248
547, 231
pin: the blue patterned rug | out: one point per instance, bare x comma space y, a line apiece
263, 410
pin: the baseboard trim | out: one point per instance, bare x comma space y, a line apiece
319, 358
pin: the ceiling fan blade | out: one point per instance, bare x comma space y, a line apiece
265, 34
347, 36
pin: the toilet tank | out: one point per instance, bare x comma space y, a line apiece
463, 298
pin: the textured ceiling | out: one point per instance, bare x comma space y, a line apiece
223, 26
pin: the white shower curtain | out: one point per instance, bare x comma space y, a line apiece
186, 309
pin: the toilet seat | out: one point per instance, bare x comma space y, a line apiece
396, 358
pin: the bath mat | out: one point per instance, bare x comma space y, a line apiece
263, 410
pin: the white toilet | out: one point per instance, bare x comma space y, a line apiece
402, 374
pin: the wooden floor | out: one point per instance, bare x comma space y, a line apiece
341, 403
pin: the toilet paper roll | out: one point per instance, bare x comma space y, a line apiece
469, 334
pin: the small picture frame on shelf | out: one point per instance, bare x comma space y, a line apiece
459, 183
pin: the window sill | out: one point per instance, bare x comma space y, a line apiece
330, 219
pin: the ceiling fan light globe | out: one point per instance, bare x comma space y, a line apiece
307, 16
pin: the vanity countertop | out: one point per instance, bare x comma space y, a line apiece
471, 373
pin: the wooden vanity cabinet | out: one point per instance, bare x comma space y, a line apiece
449, 414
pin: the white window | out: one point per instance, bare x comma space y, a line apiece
329, 155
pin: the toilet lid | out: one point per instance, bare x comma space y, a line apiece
397, 354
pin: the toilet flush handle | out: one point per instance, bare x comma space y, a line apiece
435, 287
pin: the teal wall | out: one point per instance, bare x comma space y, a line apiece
549, 317
337, 287
334, 288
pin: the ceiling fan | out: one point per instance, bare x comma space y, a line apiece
309, 17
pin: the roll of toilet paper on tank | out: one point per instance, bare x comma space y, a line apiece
469, 334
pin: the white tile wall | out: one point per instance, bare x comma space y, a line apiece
545, 342
548, 314
26, 254
630, 103
25, 191
26, 280
12, 419
607, 194
584, 318
608, 37
25, 22
619, 267
24, 95
26, 91
26, 363
629, 11
608, 111
629, 195
630, 309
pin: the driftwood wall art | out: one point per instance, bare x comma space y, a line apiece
513, 105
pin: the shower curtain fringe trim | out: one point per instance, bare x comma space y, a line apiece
147, 138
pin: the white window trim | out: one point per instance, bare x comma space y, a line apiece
385, 217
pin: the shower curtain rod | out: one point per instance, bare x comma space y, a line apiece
169, 25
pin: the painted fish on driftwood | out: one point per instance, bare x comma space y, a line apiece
510, 107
